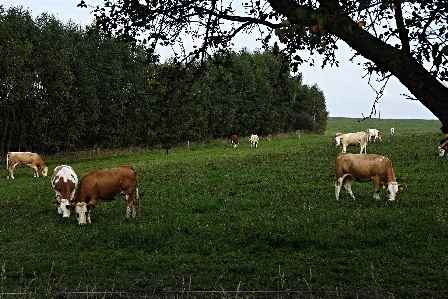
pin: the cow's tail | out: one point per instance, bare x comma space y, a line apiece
137, 198
7, 165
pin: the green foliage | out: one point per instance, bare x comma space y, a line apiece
405, 39
66, 89
238, 222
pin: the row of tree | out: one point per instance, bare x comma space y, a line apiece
63, 88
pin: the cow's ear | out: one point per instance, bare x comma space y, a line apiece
70, 207
402, 186
56, 202
90, 207
383, 185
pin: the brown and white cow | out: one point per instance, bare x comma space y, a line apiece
366, 168
32, 160
348, 139
105, 184
443, 146
234, 140
254, 141
64, 182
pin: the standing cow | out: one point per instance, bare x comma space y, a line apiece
366, 168
373, 133
64, 182
348, 139
254, 141
234, 140
33, 160
105, 184
392, 131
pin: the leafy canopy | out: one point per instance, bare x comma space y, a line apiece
417, 28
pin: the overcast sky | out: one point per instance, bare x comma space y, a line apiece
347, 94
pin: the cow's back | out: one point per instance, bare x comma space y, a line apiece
64, 180
362, 166
354, 138
106, 184
21, 158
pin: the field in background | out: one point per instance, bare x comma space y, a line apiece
402, 126
237, 223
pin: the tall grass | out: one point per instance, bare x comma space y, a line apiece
246, 223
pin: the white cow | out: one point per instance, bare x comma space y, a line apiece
344, 140
392, 131
373, 133
64, 182
253, 141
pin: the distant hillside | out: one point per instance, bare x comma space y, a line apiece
344, 125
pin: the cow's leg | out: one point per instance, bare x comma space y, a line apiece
58, 202
363, 148
337, 187
130, 206
376, 185
36, 173
344, 148
348, 186
11, 171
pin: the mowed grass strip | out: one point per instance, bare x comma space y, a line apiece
215, 218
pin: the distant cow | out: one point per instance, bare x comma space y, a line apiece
105, 184
366, 168
64, 182
254, 141
234, 140
348, 139
32, 160
392, 131
373, 133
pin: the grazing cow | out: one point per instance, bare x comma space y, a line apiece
254, 141
33, 160
234, 140
64, 182
392, 131
373, 133
366, 168
443, 146
105, 184
344, 140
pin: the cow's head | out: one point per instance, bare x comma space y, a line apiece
62, 207
441, 151
392, 189
337, 140
44, 171
82, 211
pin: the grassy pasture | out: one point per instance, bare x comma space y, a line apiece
237, 223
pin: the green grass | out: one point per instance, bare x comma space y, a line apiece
238, 222
402, 126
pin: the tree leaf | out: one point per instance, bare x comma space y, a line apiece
363, 5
